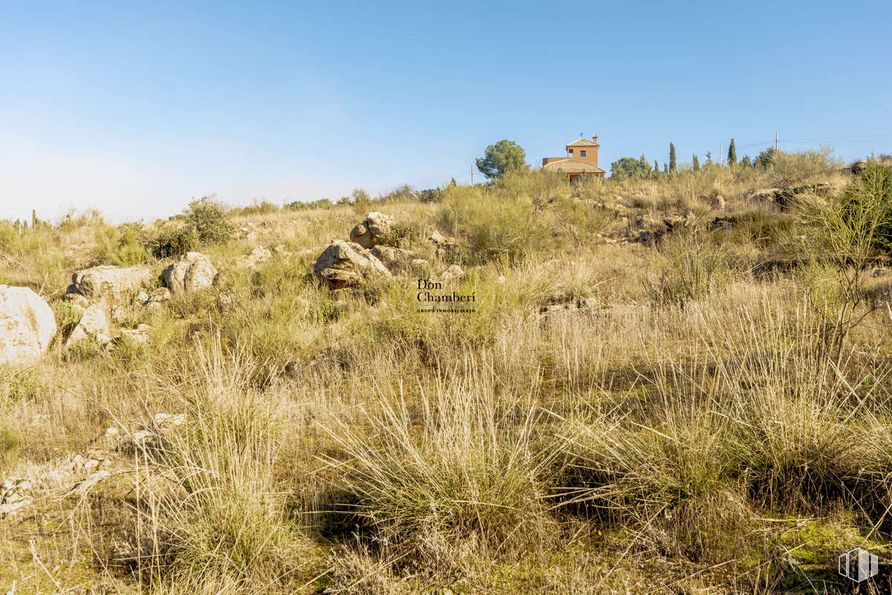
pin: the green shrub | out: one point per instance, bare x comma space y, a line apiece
210, 221
173, 241
866, 205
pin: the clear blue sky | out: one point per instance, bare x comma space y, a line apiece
134, 107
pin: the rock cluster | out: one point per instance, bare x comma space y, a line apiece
191, 273
371, 230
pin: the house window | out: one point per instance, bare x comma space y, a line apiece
582, 153
571, 152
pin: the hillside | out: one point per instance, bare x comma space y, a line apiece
663, 384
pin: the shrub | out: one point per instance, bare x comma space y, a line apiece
124, 245
688, 267
210, 221
206, 222
173, 241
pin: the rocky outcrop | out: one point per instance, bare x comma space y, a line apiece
15, 494
370, 232
444, 246
137, 336
346, 264
27, 325
93, 325
109, 283
255, 257
764, 194
453, 271
156, 298
395, 259
191, 273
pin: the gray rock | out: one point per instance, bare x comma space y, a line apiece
255, 257
110, 283
191, 273
345, 264
369, 233
395, 259
453, 271
93, 325
27, 325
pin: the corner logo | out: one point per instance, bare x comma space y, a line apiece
858, 565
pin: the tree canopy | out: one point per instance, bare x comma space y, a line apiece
502, 157
629, 167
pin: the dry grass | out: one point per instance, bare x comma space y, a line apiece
693, 426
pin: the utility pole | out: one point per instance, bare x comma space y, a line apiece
775, 142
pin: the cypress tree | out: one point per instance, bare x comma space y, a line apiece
656, 167
673, 166
696, 163
665, 168
732, 153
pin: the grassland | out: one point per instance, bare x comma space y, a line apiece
704, 412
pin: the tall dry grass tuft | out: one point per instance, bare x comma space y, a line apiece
211, 513
758, 416
461, 476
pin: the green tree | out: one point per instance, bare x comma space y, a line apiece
629, 167
500, 158
766, 158
696, 163
708, 157
732, 153
673, 165
665, 168
656, 171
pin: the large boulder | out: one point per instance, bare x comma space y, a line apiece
346, 264
109, 283
370, 232
27, 325
93, 325
192, 272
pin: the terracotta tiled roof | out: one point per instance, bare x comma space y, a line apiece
582, 142
573, 166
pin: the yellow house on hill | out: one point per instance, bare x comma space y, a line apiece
581, 160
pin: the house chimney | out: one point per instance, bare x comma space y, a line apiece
595, 138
